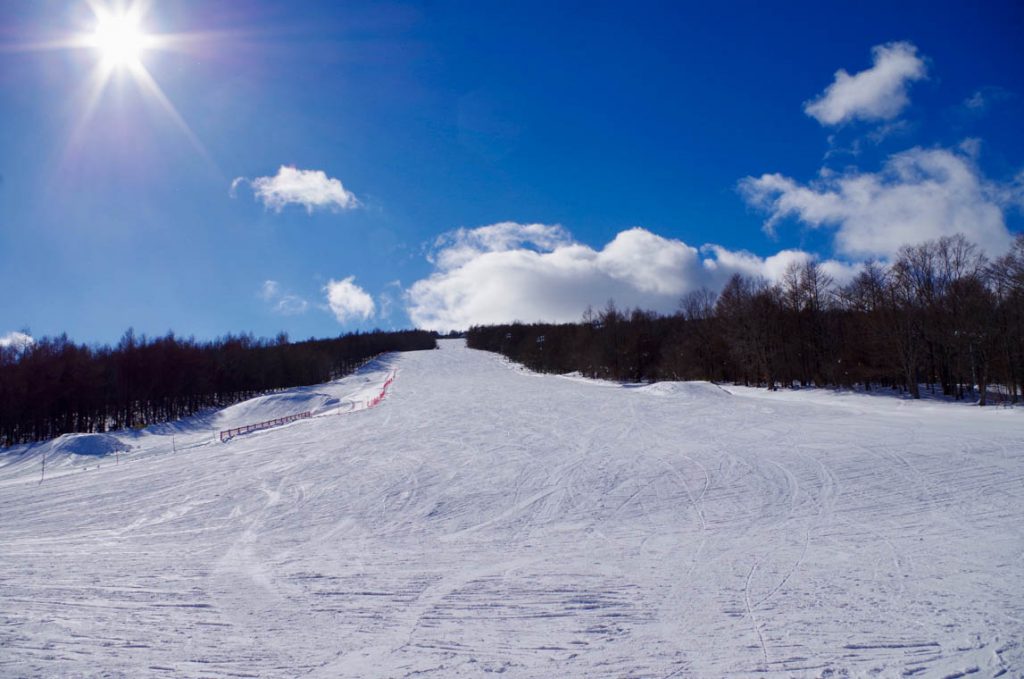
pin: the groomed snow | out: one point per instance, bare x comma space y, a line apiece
484, 519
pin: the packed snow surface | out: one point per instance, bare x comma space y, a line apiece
484, 519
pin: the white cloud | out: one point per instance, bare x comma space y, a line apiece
918, 195
976, 101
348, 301
235, 183
983, 99
282, 302
291, 186
270, 290
774, 267
535, 272
971, 147
18, 340
291, 305
878, 93
462, 245
388, 298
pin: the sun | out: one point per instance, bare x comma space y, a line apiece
120, 40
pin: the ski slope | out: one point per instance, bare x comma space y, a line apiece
483, 519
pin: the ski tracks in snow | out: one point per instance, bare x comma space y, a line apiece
486, 520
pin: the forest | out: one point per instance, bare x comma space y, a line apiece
941, 316
55, 386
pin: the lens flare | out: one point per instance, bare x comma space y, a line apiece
119, 38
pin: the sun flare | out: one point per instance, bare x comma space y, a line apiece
121, 44
120, 40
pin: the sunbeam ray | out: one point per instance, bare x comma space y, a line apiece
97, 83
150, 86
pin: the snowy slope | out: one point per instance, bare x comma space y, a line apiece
483, 519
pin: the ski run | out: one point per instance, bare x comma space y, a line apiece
482, 519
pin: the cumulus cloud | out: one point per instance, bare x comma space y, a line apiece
919, 194
291, 186
878, 93
349, 302
774, 267
457, 247
535, 272
18, 340
282, 302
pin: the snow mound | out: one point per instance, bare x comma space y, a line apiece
272, 406
93, 445
67, 452
685, 390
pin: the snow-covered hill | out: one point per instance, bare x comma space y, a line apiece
483, 519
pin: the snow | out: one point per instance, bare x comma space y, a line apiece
70, 451
86, 444
482, 519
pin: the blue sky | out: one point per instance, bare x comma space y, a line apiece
442, 164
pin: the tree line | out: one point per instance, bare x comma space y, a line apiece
941, 314
55, 386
